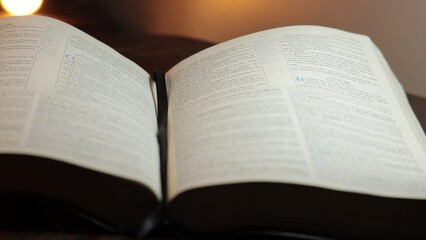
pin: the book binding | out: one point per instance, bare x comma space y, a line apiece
159, 214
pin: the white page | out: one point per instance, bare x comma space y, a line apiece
328, 117
66, 96
403, 100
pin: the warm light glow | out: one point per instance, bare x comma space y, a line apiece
21, 7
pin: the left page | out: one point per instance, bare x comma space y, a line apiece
66, 96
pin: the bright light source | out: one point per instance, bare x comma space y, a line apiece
21, 7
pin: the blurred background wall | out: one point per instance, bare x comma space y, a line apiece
398, 27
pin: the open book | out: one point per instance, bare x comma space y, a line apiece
302, 129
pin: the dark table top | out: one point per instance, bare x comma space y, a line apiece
150, 52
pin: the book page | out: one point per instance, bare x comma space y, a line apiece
305, 105
402, 100
64, 95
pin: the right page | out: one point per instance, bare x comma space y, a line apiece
305, 105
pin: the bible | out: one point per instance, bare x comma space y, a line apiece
300, 129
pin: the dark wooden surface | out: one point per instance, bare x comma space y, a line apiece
419, 106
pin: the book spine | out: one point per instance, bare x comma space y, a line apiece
160, 80
159, 215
